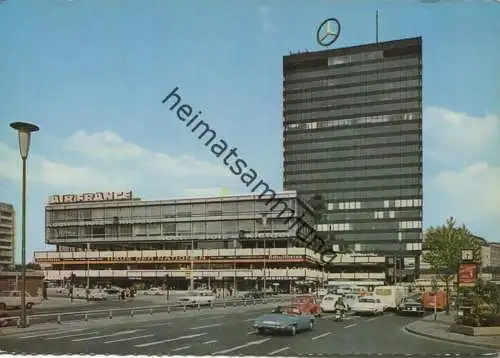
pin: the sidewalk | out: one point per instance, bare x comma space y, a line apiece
439, 329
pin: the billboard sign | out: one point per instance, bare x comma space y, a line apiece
467, 274
90, 197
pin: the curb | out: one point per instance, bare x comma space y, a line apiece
428, 335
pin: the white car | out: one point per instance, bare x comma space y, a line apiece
154, 291
328, 303
369, 305
195, 298
351, 300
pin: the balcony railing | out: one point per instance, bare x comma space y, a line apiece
150, 255
271, 274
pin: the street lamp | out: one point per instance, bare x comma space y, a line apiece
396, 259
191, 276
24, 131
88, 270
264, 225
235, 242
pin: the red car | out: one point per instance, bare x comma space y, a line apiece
307, 304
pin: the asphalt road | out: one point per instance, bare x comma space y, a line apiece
232, 334
116, 307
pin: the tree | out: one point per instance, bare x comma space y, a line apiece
444, 245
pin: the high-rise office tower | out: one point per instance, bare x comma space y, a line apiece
353, 135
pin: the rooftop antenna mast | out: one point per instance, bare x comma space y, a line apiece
376, 26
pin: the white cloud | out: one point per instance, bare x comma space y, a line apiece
462, 150
110, 146
42, 170
448, 133
103, 145
265, 18
475, 190
121, 165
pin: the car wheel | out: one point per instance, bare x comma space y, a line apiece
293, 331
259, 331
311, 325
29, 305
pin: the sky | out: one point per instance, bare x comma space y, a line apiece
92, 74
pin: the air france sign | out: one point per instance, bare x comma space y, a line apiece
90, 197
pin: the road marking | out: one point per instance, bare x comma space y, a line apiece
249, 320
34, 331
321, 336
351, 325
253, 343
372, 319
210, 342
253, 332
278, 350
206, 326
170, 340
50, 334
71, 335
105, 336
181, 349
159, 324
129, 338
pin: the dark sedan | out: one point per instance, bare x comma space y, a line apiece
411, 306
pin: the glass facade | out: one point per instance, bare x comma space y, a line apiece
353, 134
174, 224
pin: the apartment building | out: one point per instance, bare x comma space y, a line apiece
7, 235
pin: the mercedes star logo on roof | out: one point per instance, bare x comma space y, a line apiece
328, 32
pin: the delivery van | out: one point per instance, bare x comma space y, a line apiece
438, 298
391, 296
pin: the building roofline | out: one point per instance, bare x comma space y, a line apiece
289, 194
374, 46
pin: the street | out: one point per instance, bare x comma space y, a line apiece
228, 332
78, 308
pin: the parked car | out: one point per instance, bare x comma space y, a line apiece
154, 291
113, 290
194, 298
328, 302
253, 294
12, 299
290, 320
369, 305
307, 304
97, 295
411, 306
